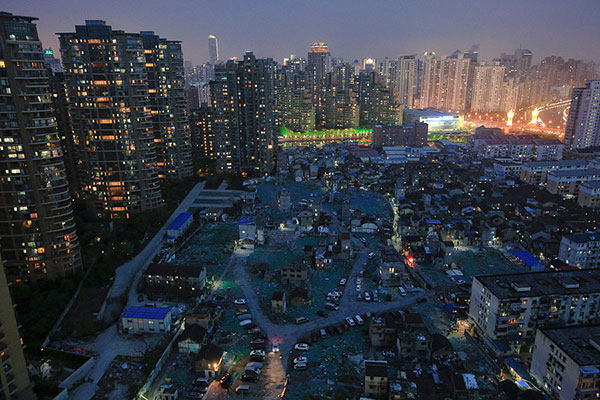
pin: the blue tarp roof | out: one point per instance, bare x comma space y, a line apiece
246, 222
146, 312
179, 221
526, 258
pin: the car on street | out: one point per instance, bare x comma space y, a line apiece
300, 360
257, 353
301, 320
300, 366
242, 389
343, 282
332, 306
225, 380
371, 255
367, 296
249, 377
350, 321
239, 302
301, 347
322, 313
275, 347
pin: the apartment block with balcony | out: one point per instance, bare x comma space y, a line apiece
580, 250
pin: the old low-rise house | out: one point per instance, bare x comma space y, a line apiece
390, 269
175, 277
209, 361
294, 275
146, 320
278, 302
192, 339
415, 343
382, 331
376, 379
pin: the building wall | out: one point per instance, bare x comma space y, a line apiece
14, 379
38, 239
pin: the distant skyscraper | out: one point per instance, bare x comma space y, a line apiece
378, 105
339, 102
37, 230
317, 66
110, 107
488, 88
14, 379
213, 50
164, 67
203, 137
405, 80
583, 124
446, 82
52, 62
245, 121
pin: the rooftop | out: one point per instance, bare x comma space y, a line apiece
376, 368
185, 271
581, 343
583, 237
179, 221
575, 172
557, 163
146, 312
533, 284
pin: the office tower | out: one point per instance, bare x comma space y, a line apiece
110, 110
203, 137
488, 88
445, 82
52, 62
404, 80
318, 65
164, 68
245, 123
339, 105
583, 123
14, 379
213, 50
37, 230
378, 105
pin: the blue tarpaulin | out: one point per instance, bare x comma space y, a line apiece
526, 258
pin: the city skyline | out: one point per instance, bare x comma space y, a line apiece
400, 28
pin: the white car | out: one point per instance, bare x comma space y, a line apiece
257, 353
367, 296
363, 240
275, 347
343, 282
350, 321
358, 281
301, 347
300, 366
239, 302
300, 360
358, 288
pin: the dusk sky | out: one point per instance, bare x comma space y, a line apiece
352, 28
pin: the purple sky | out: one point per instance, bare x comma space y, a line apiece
352, 28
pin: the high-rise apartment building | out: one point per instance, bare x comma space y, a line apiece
583, 123
404, 82
14, 379
203, 137
446, 82
297, 111
164, 68
105, 72
488, 88
37, 229
213, 50
339, 102
245, 121
516, 64
378, 105
318, 65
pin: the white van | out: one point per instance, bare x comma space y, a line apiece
358, 319
301, 320
402, 291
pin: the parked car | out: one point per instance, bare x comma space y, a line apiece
246, 323
249, 377
363, 240
300, 366
301, 347
242, 389
226, 380
323, 333
301, 320
358, 319
322, 313
371, 255
350, 321
239, 302
367, 296
331, 306
343, 282
300, 360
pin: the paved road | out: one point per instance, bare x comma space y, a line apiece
109, 343
288, 335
